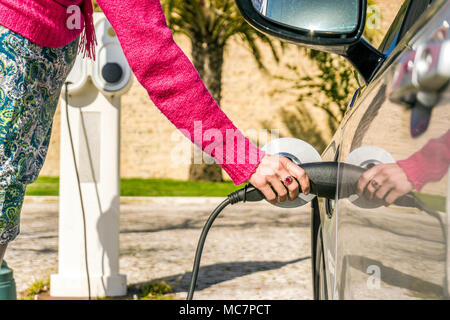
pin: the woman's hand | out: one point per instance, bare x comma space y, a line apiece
278, 176
385, 183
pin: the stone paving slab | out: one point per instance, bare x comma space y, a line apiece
253, 251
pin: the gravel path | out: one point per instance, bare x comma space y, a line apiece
253, 251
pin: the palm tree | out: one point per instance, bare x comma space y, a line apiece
210, 25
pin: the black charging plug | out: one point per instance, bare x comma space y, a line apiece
247, 194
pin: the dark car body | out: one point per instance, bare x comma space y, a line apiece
394, 137
392, 252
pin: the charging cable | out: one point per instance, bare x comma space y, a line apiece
247, 194
323, 177
323, 180
66, 95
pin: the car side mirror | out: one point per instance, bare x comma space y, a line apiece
317, 22
334, 26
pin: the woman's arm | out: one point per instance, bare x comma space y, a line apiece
429, 163
388, 182
175, 86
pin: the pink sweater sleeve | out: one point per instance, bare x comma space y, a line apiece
175, 86
429, 163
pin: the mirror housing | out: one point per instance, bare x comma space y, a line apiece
350, 45
284, 29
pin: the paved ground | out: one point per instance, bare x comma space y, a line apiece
254, 251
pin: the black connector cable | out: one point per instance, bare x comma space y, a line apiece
80, 193
247, 194
323, 178
323, 181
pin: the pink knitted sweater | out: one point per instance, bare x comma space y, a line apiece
158, 63
429, 164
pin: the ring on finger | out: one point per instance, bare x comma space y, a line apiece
375, 184
288, 180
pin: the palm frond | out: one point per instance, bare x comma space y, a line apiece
215, 22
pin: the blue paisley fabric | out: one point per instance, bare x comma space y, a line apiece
31, 78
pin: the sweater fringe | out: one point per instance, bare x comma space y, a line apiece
88, 38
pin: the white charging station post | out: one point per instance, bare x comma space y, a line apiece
90, 135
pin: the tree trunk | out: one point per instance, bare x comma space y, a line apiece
208, 60
213, 70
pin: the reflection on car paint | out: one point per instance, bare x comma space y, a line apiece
407, 244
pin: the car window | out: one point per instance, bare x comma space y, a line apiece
416, 9
381, 14
391, 38
408, 14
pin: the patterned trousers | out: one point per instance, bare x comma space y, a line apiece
31, 78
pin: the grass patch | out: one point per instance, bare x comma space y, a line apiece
437, 203
44, 186
49, 186
36, 288
154, 290
174, 188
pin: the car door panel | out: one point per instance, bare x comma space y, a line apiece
395, 251
328, 223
